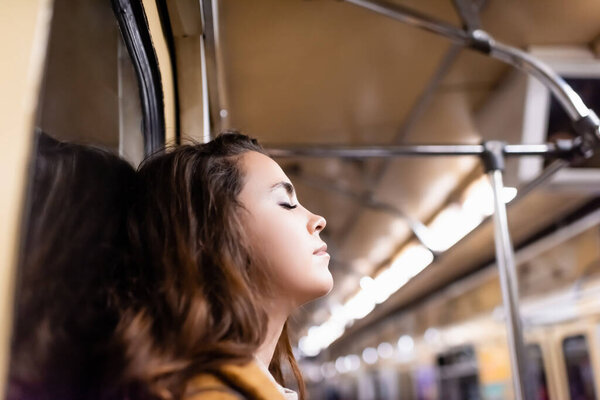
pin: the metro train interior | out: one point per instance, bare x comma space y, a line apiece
385, 115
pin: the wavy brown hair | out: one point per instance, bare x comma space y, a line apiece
73, 258
194, 300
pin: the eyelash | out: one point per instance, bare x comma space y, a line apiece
288, 206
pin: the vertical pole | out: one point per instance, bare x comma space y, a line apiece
505, 261
206, 125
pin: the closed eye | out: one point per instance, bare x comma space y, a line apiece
288, 206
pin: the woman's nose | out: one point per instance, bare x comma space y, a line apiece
317, 223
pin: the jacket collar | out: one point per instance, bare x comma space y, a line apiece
251, 379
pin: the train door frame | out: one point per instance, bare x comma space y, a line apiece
144, 29
542, 336
425, 361
498, 338
404, 373
590, 329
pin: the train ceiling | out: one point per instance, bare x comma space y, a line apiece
328, 72
316, 72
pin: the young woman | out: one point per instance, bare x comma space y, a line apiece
225, 253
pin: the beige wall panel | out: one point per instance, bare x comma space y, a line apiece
79, 100
189, 72
185, 17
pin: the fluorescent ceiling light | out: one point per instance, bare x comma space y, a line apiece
406, 344
369, 355
457, 220
385, 350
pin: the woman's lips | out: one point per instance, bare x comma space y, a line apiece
321, 251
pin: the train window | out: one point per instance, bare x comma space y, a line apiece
90, 93
458, 376
559, 123
579, 368
536, 382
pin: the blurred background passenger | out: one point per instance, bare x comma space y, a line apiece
73, 258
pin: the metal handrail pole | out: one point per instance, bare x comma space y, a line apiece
449, 150
509, 150
568, 98
414, 18
507, 271
324, 150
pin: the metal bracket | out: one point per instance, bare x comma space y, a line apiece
481, 41
493, 155
587, 128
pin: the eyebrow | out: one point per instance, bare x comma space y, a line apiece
289, 188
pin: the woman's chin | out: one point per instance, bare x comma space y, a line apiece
328, 285
320, 288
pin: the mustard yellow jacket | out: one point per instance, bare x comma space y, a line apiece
233, 382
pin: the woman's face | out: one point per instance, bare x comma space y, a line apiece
285, 234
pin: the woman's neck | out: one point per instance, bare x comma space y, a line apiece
274, 327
